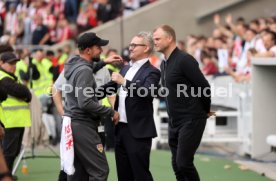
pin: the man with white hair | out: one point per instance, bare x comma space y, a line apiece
136, 128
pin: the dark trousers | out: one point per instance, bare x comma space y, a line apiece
90, 161
184, 140
12, 144
132, 155
63, 176
109, 133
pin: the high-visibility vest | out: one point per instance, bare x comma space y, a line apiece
112, 68
21, 66
105, 102
2, 117
62, 59
44, 83
16, 112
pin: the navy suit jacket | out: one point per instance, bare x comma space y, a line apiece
139, 110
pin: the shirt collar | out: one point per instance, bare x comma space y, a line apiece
138, 63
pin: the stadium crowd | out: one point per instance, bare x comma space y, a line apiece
46, 22
230, 48
228, 51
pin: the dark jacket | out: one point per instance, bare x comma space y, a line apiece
139, 110
3, 97
78, 106
31, 69
15, 89
3, 92
181, 72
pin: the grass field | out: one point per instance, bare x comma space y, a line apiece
210, 169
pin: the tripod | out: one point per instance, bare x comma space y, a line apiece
34, 104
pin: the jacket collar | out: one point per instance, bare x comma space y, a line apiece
11, 74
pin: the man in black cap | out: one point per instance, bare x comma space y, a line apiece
15, 108
82, 106
5, 173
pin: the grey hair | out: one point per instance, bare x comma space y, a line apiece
148, 39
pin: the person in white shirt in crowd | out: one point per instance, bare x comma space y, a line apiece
269, 40
130, 6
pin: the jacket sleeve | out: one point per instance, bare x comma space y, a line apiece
107, 89
148, 87
86, 95
3, 92
97, 66
190, 69
16, 90
26, 75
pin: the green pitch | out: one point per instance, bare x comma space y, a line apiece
210, 169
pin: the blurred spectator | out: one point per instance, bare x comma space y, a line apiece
23, 6
50, 55
255, 25
56, 7
64, 30
130, 6
12, 21
222, 53
125, 55
27, 33
2, 9
112, 67
272, 25
71, 10
145, 2
269, 39
199, 46
92, 16
23, 67
191, 41
104, 11
82, 20
63, 56
9, 2
2, 13
250, 38
238, 43
87, 18
41, 34
209, 66
116, 6
263, 25
18, 18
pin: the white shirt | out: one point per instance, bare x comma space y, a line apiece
273, 49
123, 93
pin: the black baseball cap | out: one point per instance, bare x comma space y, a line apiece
9, 57
89, 39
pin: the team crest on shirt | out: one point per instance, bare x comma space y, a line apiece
100, 147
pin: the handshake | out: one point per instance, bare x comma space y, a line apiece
116, 117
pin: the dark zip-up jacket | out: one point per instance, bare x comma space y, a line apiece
79, 105
181, 75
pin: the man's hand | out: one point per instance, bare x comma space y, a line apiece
113, 59
211, 113
116, 118
118, 78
